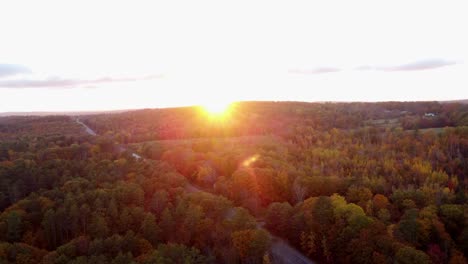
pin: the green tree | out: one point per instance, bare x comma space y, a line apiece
453, 217
98, 227
112, 210
125, 220
85, 213
15, 229
409, 226
323, 211
74, 216
167, 224
278, 217
123, 258
150, 230
410, 255
240, 219
251, 244
177, 253
50, 230
159, 201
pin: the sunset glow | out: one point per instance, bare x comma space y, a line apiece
233, 131
217, 109
155, 59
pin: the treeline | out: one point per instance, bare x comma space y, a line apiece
260, 118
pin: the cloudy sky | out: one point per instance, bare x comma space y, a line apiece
102, 55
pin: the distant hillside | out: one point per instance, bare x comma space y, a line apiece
463, 101
69, 113
80, 113
284, 119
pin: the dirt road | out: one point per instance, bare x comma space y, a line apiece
87, 128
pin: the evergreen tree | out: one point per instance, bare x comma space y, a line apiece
14, 223
150, 230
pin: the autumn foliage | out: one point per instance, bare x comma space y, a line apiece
342, 183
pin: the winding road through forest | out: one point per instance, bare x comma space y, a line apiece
280, 251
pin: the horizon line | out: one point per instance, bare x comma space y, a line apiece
101, 111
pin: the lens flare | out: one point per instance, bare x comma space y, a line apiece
249, 161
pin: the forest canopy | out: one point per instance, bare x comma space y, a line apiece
338, 182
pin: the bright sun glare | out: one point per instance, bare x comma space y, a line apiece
217, 109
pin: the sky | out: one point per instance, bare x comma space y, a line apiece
106, 55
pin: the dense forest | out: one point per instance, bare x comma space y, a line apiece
339, 182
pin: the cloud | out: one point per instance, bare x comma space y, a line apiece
57, 82
320, 70
7, 70
420, 65
366, 68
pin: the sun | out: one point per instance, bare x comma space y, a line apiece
217, 109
